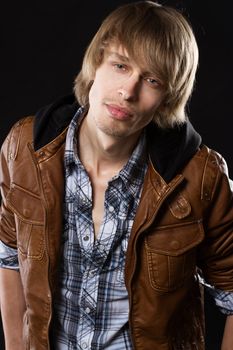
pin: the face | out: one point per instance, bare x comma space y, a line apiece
123, 97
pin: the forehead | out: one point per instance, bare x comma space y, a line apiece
114, 50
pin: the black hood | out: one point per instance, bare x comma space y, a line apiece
169, 149
51, 120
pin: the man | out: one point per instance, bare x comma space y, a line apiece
114, 213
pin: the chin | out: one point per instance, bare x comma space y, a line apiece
113, 131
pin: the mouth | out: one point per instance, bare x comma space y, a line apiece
119, 112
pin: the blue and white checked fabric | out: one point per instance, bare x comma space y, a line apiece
8, 257
224, 301
91, 309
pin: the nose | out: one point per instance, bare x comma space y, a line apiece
129, 89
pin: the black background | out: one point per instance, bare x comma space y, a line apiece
42, 46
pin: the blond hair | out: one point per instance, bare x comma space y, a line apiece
153, 35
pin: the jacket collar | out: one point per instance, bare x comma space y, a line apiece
169, 150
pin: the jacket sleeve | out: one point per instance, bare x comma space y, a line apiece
216, 252
7, 222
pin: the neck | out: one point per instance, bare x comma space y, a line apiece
101, 153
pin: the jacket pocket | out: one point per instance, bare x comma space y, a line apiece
171, 254
29, 216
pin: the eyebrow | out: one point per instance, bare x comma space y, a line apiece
118, 56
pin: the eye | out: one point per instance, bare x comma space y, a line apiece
119, 66
152, 81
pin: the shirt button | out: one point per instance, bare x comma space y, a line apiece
11, 156
111, 209
87, 310
86, 238
84, 345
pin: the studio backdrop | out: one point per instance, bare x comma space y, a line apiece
42, 46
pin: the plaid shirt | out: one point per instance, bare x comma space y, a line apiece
91, 310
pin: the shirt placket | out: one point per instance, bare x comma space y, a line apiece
95, 258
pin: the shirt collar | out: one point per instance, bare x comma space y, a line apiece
71, 150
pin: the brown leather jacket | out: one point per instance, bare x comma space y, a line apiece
181, 227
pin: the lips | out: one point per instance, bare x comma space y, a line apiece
119, 112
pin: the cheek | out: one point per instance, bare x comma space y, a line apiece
94, 96
98, 90
93, 91
153, 103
